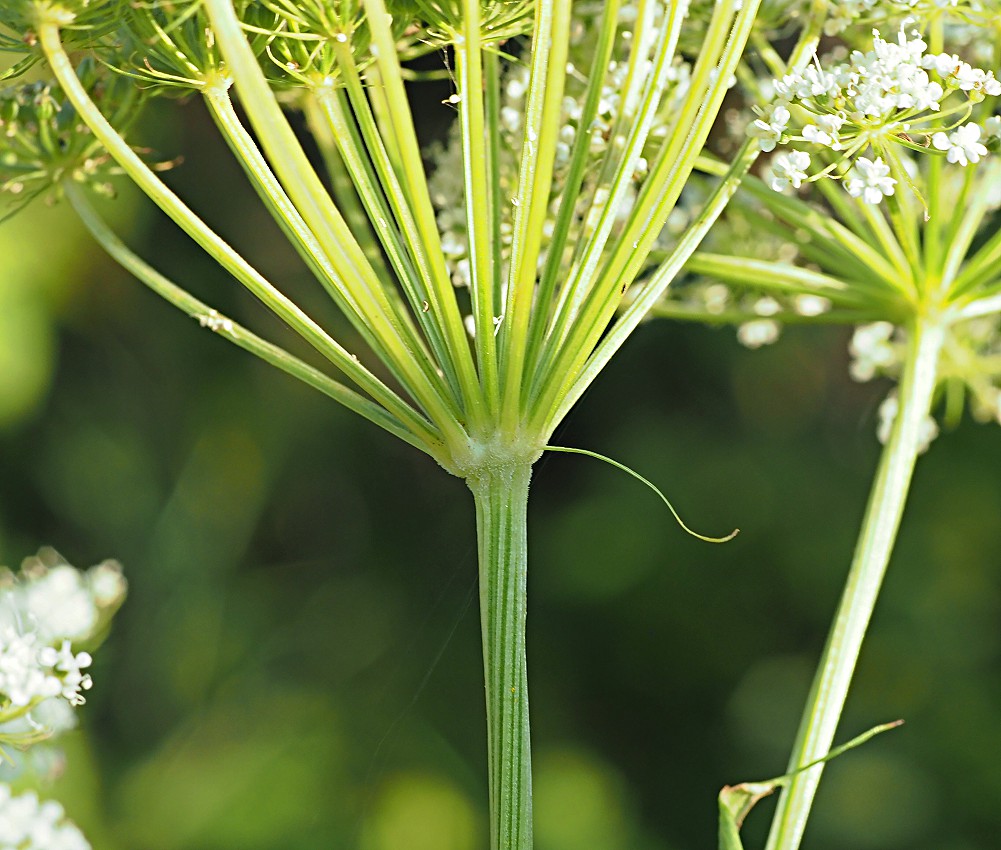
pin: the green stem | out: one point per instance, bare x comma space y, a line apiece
550, 45
341, 188
271, 193
238, 335
130, 162
501, 495
359, 289
872, 553
479, 149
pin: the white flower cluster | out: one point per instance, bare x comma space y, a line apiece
889, 94
766, 329
31, 672
27, 823
875, 351
843, 14
44, 610
971, 356
758, 316
604, 133
879, 349
888, 411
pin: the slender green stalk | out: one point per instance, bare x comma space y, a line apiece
550, 45
828, 232
376, 191
568, 211
284, 212
479, 146
357, 284
646, 81
872, 553
341, 188
657, 198
214, 245
421, 227
501, 495
228, 329
653, 291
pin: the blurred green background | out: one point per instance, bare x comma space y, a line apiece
297, 665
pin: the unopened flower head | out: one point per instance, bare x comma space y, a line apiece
170, 47
45, 143
84, 21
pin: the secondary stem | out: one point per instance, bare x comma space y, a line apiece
501, 495
872, 553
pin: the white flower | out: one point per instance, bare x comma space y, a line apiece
767, 306
789, 169
888, 415
107, 585
65, 662
870, 180
758, 332
824, 131
26, 823
992, 127
59, 604
962, 75
812, 82
24, 676
811, 305
768, 129
963, 144
30, 671
716, 296
872, 351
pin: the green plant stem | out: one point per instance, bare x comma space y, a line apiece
62, 68
359, 289
872, 553
501, 495
479, 147
228, 329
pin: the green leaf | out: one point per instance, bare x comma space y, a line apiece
736, 801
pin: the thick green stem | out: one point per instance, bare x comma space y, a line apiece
501, 495
872, 553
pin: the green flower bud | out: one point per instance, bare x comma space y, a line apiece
44, 143
169, 47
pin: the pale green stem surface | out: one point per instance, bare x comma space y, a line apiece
358, 287
215, 246
872, 553
228, 329
414, 198
550, 46
478, 140
501, 495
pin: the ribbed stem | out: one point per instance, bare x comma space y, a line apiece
872, 553
501, 495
